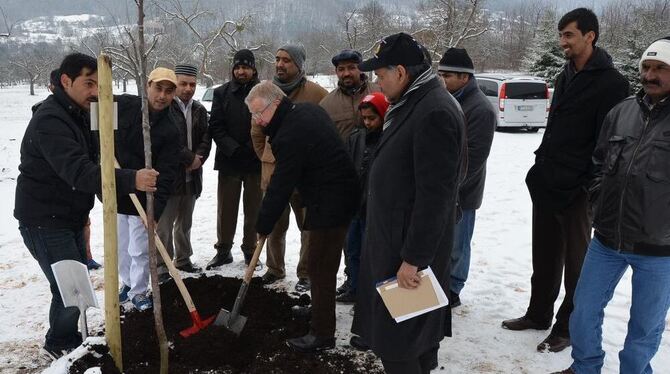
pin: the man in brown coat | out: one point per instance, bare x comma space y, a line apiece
290, 77
352, 86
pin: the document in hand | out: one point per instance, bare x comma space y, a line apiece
404, 304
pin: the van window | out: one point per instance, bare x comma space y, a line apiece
525, 90
489, 88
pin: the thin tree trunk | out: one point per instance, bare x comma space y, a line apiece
151, 224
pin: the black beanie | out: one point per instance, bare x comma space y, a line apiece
456, 60
244, 57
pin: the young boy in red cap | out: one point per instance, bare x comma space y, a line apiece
362, 143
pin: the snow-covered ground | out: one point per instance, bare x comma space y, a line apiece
498, 288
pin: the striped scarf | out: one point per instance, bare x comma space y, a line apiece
418, 82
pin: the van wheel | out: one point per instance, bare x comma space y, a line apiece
534, 129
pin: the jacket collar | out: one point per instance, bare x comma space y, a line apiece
235, 85
646, 105
283, 109
466, 90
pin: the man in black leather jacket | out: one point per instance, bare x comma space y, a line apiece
631, 196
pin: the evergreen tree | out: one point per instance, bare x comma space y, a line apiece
544, 58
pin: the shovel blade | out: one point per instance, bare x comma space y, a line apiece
74, 284
234, 324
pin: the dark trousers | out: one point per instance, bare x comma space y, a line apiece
49, 246
560, 240
325, 248
174, 228
228, 203
352, 251
419, 365
276, 242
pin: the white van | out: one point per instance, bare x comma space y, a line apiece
520, 101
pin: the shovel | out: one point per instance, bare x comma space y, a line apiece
233, 321
198, 322
75, 289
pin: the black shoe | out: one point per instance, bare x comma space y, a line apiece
524, 323
566, 371
189, 268
303, 285
53, 354
269, 278
455, 300
359, 344
348, 297
303, 312
553, 343
223, 257
247, 260
164, 277
311, 344
344, 287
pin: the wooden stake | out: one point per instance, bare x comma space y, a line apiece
106, 125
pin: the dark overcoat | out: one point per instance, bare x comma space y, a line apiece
410, 216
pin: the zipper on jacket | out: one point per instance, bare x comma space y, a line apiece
625, 183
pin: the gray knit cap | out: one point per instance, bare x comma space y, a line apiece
297, 53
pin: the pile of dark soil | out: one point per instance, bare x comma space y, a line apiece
261, 348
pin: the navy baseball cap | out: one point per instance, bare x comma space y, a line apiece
396, 49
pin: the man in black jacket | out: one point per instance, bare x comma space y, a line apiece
165, 147
587, 88
59, 175
310, 157
236, 161
174, 228
411, 204
456, 69
631, 196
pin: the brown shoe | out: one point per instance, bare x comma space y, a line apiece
554, 343
523, 323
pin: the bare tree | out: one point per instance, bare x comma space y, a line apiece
33, 61
365, 26
449, 23
208, 39
8, 26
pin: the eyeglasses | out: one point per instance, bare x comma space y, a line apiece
258, 115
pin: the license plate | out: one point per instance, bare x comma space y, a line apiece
524, 108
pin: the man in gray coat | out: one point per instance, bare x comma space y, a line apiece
411, 206
456, 69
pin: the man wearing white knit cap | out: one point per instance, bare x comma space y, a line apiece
630, 195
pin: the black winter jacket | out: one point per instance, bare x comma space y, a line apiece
129, 150
230, 128
480, 124
361, 146
631, 189
311, 157
563, 166
201, 145
59, 173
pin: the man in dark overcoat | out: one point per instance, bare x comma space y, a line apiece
411, 204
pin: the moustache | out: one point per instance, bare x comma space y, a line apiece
653, 82
92, 99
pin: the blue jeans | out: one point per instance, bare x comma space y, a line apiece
48, 246
353, 251
460, 254
601, 272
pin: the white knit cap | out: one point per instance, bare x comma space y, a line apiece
659, 51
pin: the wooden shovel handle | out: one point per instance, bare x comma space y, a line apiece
249, 273
163, 252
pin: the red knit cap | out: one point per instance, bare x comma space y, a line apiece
378, 100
